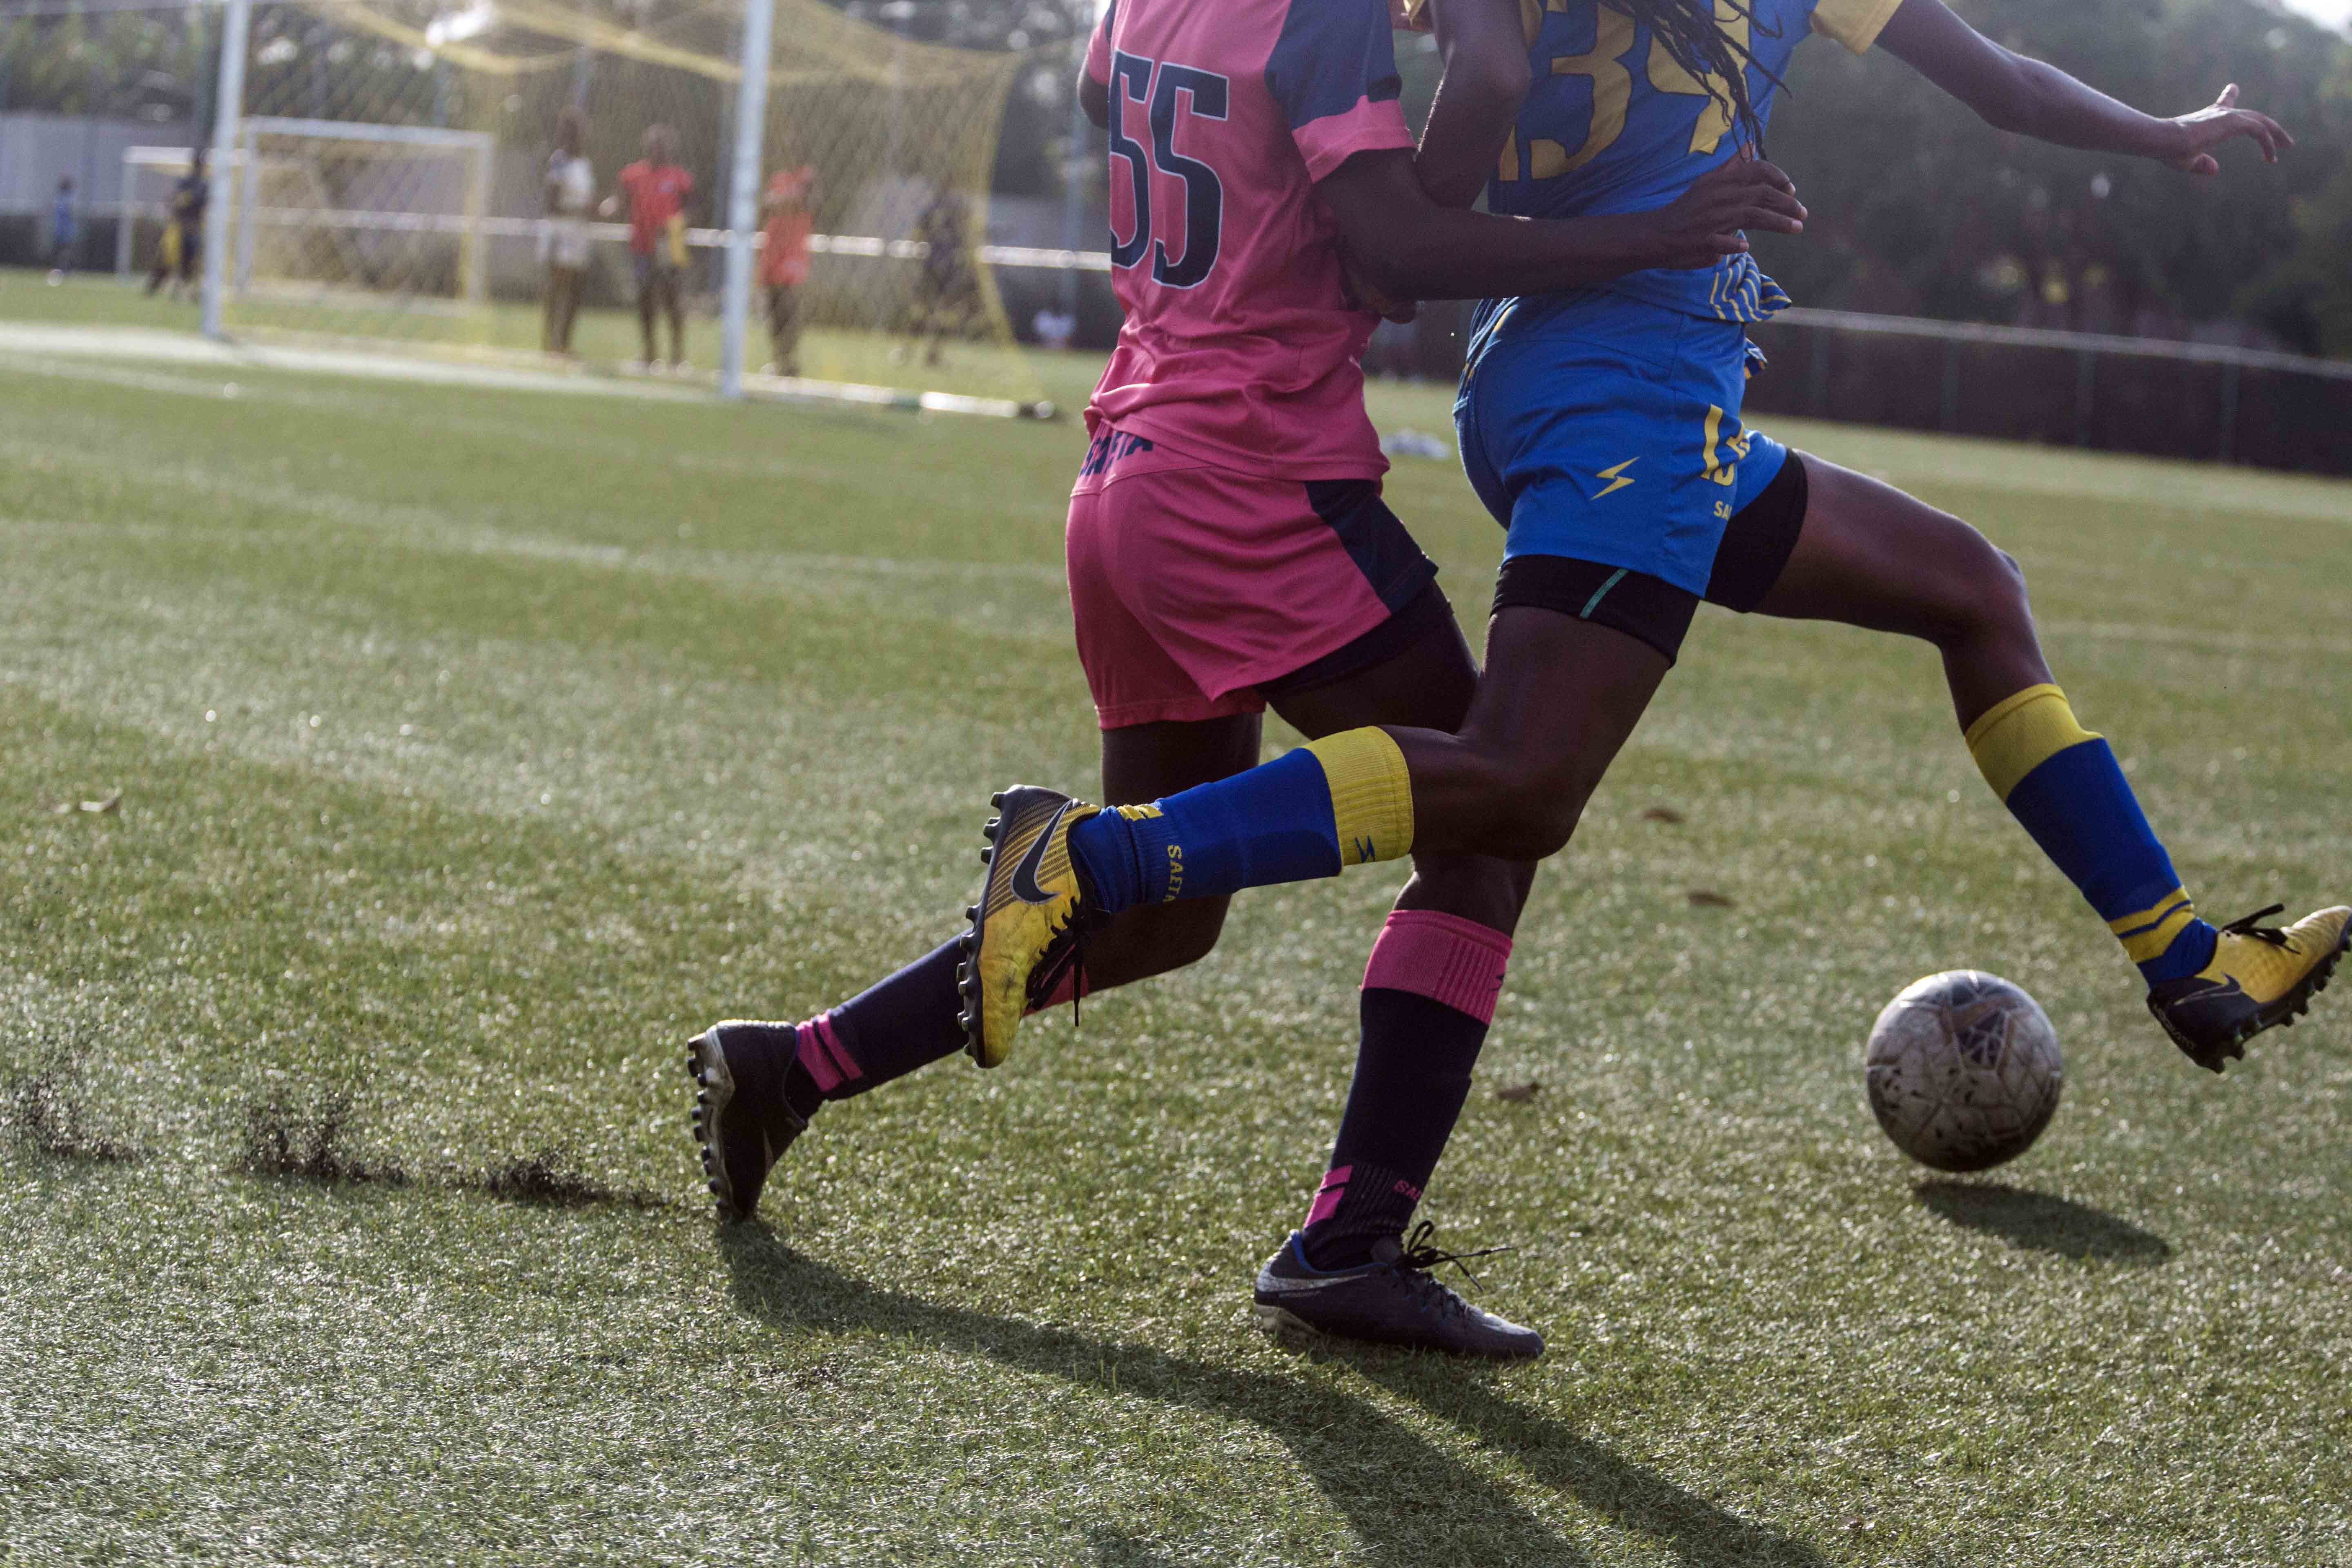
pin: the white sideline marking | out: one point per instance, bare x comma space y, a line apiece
156, 346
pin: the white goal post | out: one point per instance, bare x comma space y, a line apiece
345, 225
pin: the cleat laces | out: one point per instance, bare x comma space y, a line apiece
1416, 1261
2244, 926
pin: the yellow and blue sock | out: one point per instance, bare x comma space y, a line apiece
1342, 800
2062, 782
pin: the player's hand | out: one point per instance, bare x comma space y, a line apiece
608, 207
1366, 295
1703, 225
2206, 128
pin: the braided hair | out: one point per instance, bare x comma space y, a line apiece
1693, 39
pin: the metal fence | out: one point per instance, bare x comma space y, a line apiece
2075, 389
2209, 402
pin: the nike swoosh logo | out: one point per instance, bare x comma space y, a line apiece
1283, 1285
1024, 875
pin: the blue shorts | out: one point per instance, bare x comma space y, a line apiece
1604, 430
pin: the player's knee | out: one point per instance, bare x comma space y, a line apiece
1186, 932
1975, 594
1997, 604
1533, 808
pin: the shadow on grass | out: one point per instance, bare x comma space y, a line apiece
549, 1179
1634, 1499
2042, 1222
1406, 1500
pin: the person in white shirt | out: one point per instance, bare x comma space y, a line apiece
563, 237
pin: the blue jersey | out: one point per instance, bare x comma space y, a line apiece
61, 220
1612, 125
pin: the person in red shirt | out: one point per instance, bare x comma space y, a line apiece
656, 187
790, 206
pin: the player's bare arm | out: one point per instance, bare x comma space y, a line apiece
1483, 45
1407, 246
2011, 92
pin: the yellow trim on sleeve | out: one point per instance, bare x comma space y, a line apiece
1856, 23
1371, 794
2020, 733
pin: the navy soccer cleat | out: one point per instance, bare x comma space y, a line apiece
744, 1114
1394, 1300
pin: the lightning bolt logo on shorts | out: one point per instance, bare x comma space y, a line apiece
1616, 478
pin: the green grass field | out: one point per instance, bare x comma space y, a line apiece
508, 331
475, 748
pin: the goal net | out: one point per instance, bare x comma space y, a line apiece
394, 187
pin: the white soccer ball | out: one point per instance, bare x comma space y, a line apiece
1963, 1070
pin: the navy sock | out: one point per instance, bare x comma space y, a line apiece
1428, 993
887, 1031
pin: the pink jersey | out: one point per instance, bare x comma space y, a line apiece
1240, 346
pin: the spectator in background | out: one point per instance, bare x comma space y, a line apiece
563, 237
656, 188
184, 232
948, 299
61, 232
791, 207
1055, 328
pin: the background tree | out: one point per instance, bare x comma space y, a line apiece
1921, 208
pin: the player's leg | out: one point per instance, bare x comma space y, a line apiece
1588, 624
1436, 970
1869, 555
167, 255
792, 330
648, 304
551, 311
673, 307
576, 283
760, 1083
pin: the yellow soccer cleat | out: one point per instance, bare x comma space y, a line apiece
2259, 976
1029, 907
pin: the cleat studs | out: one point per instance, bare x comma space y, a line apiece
996, 799
971, 912
987, 856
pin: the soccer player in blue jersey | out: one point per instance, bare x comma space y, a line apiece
1229, 551
1601, 426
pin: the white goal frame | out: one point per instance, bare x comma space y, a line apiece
474, 147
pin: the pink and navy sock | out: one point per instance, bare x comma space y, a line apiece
1429, 996
887, 1031
909, 1020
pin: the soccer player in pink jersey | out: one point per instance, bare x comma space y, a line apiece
1228, 549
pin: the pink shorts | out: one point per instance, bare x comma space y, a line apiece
1195, 585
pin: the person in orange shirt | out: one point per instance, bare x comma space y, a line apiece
656, 187
791, 207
